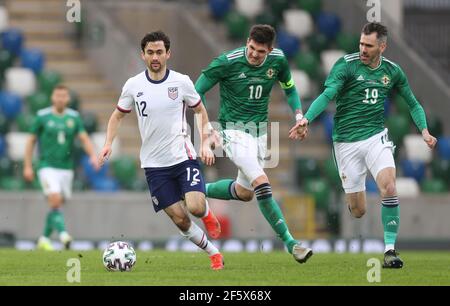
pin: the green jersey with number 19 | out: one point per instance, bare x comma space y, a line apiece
245, 88
360, 92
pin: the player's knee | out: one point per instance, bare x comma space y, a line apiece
55, 200
358, 212
183, 223
389, 190
198, 210
246, 195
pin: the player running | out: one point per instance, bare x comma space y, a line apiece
360, 83
160, 97
246, 76
55, 129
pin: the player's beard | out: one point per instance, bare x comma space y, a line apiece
155, 70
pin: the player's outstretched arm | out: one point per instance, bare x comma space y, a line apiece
205, 129
111, 133
28, 172
316, 108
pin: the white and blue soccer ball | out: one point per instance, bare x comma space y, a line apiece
119, 256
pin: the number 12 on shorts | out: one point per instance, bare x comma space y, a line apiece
194, 179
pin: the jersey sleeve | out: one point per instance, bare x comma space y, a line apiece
79, 124
284, 76
416, 110
126, 99
336, 78
190, 95
36, 126
216, 70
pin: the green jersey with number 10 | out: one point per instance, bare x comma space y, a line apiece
244, 88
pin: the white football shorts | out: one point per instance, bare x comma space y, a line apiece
355, 158
55, 180
247, 153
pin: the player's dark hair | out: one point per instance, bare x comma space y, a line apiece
375, 27
61, 87
155, 36
263, 34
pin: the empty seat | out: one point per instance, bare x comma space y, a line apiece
407, 187
318, 43
6, 167
443, 147
441, 169
237, 26
125, 170
302, 83
298, 22
329, 58
2, 146
306, 168
327, 120
288, 43
10, 104
311, 6
434, 185
24, 122
414, 169
308, 62
16, 145
219, 8
12, 40
48, 80
417, 149
33, 59
90, 122
249, 8
38, 101
329, 24
398, 126
4, 124
348, 42
320, 190
21, 81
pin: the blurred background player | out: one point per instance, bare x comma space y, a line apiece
360, 82
246, 76
160, 97
55, 130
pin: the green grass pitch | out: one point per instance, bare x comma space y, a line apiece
179, 268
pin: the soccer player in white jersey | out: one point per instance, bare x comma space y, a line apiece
160, 97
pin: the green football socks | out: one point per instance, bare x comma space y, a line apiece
390, 217
272, 212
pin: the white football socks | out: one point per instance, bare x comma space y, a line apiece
197, 236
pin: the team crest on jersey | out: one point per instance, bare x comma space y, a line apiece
172, 92
70, 123
270, 73
385, 80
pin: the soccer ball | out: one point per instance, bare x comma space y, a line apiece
119, 256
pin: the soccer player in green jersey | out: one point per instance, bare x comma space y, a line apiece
246, 76
359, 83
55, 129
